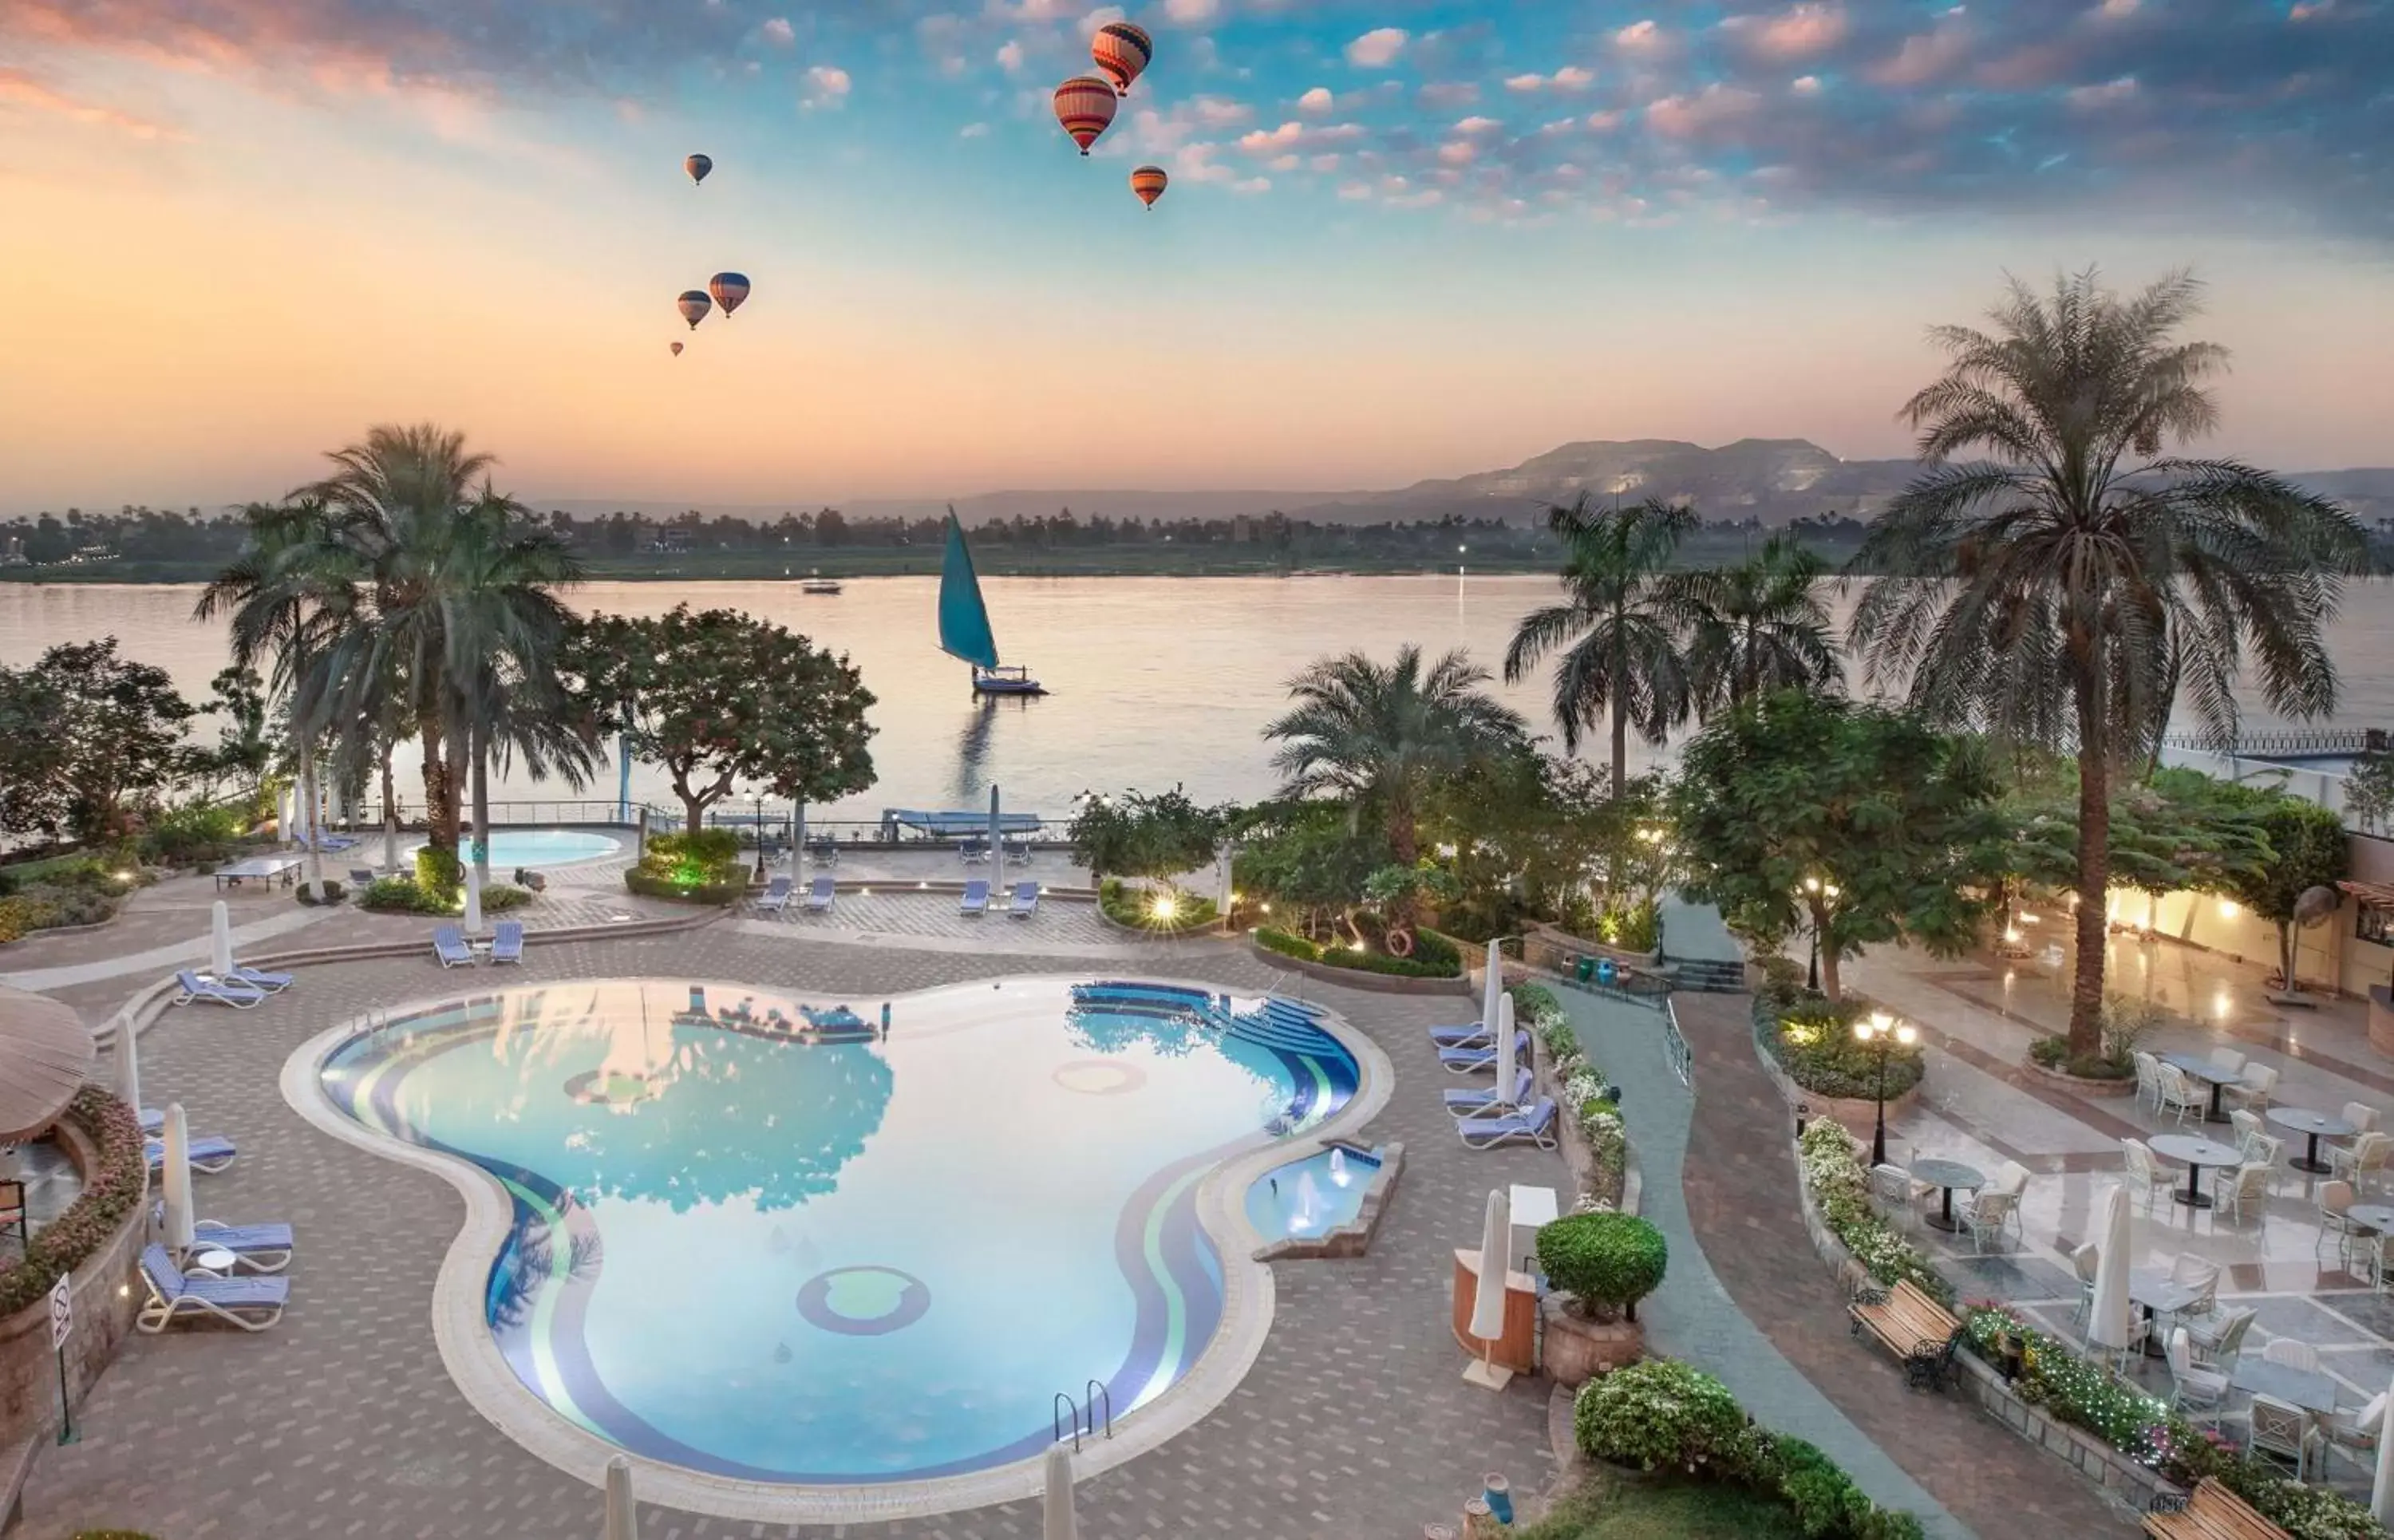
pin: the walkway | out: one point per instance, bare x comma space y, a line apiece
164, 959
1741, 1203
1696, 1317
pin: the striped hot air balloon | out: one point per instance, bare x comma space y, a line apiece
693, 306
729, 289
1149, 182
698, 166
1084, 105
1121, 51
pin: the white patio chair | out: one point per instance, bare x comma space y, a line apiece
2332, 1200
2010, 1176
2181, 1097
2149, 1079
2263, 1149
1897, 1194
2201, 1276
1986, 1215
2357, 1431
2227, 1061
2290, 1353
2253, 1089
2086, 1259
2362, 1116
2247, 1125
2198, 1393
2282, 1429
2216, 1342
2354, 1161
2144, 1171
2246, 1192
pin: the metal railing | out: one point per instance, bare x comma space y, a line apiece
1675, 1044
2297, 743
1081, 1416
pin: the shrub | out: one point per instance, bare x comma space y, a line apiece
1658, 1413
1136, 907
182, 835
704, 867
438, 871
652, 885
1606, 1261
2054, 1054
1840, 1189
1813, 1040
111, 1191
405, 896
712, 848
1365, 961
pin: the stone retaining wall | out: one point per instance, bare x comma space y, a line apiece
105, 1299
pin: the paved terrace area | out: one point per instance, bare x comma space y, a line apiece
343, 1421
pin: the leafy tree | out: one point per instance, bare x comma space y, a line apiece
1898, 819
1306, 861
1135, 835
1621, 628
2176, 830
91, 739
245, 745
1382, 737
1763, 628
2306, 849
2067, 589
720, 698
1526, 835
2369, 790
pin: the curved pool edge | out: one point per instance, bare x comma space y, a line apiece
471, 1354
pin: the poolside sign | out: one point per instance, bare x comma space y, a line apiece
61, 1312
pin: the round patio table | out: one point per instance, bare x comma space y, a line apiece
1948, 1175
2312, 1125
2197, 1153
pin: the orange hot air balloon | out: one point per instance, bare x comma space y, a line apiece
1084, 105
1121, 51
1149, 182
698, 166
676, 349
693, 306
729, 289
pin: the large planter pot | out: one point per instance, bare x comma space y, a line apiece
2079, 1085
1577, 1350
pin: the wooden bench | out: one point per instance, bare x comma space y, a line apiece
2210, 1512
1914, 1327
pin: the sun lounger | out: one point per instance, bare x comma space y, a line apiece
1480, 1103
217, 992
210, 1154
775, 898
819, 895
976, 898
152, 1120
337, 843
272, 983
449, 945
1467, 1061
360, 878
253, 1304
1024, 901
1534, 1123
256, 1248
507, 941
1472, 1036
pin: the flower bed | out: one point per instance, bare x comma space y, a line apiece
1663, 1415
93, 1241
1839, 1187
1812, 1039
1580, 1091
2082, 1394
111, 1190
1434, 956
1161, 911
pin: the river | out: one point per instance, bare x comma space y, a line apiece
1154, 681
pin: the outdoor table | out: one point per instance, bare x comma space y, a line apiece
1948, 1175
2312, 1125
2197, 1153
265, 868
2199, 1068
2159, 1293
2377, 1216
2311, 1389
214, 1259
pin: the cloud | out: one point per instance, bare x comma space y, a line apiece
1924, 56
21, 89
1525, 82
1682, 117
973, 131
1009, 56
1644, 39
1317, 102
779, 30
1376, 49
2111, 93
1192, 13
1293, 136
1476, 125
1219, 111
1458, 152
827, 86
1805, 85
1354, 191
1444, 96
1253, 184
1799, 32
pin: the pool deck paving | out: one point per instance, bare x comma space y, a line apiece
1742, 1207
342, 1420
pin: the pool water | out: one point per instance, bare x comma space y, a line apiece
764, 1248
514, 847
1308, 1198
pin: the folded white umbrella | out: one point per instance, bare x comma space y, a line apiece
2381, 1493
1488, 1293
1506, 1057
1061, 1524
473, 900
128, 1061
182, 1224
622, 1518
220, 939
1494, 990
2108, 1323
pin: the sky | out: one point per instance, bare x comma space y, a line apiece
1402, 238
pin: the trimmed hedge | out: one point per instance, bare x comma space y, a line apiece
704, 867
1661, 1414
1434, 956
1606, 1261
111, 1191
650, 885
405, 896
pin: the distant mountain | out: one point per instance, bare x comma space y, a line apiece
1771, 481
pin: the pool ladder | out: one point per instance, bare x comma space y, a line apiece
1081, 1416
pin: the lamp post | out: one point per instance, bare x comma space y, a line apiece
757, 796
1879, 1030
1815, 893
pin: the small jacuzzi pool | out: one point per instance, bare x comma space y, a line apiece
514, 847
1311, 1197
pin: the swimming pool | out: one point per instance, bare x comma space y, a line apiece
753, 1238
514, 847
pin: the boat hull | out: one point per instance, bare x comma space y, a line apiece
988, 684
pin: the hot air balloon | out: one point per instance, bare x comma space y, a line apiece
1084, 105
698, 166
729, 289
1149, 182
676, 349
1122, 52
694, 305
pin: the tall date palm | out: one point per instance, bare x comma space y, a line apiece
1382, 735
2071, 586
1622, 628
1763, 629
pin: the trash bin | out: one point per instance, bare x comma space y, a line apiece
1584, 969
1606, 972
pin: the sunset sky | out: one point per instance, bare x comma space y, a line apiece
1403, 237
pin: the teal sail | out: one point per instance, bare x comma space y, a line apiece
963, 619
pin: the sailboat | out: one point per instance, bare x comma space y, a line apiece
964, 624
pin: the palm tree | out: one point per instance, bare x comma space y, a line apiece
1621, 628
1764, 630
1382, 736
2065, 589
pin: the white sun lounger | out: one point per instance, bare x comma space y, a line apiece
217, 992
